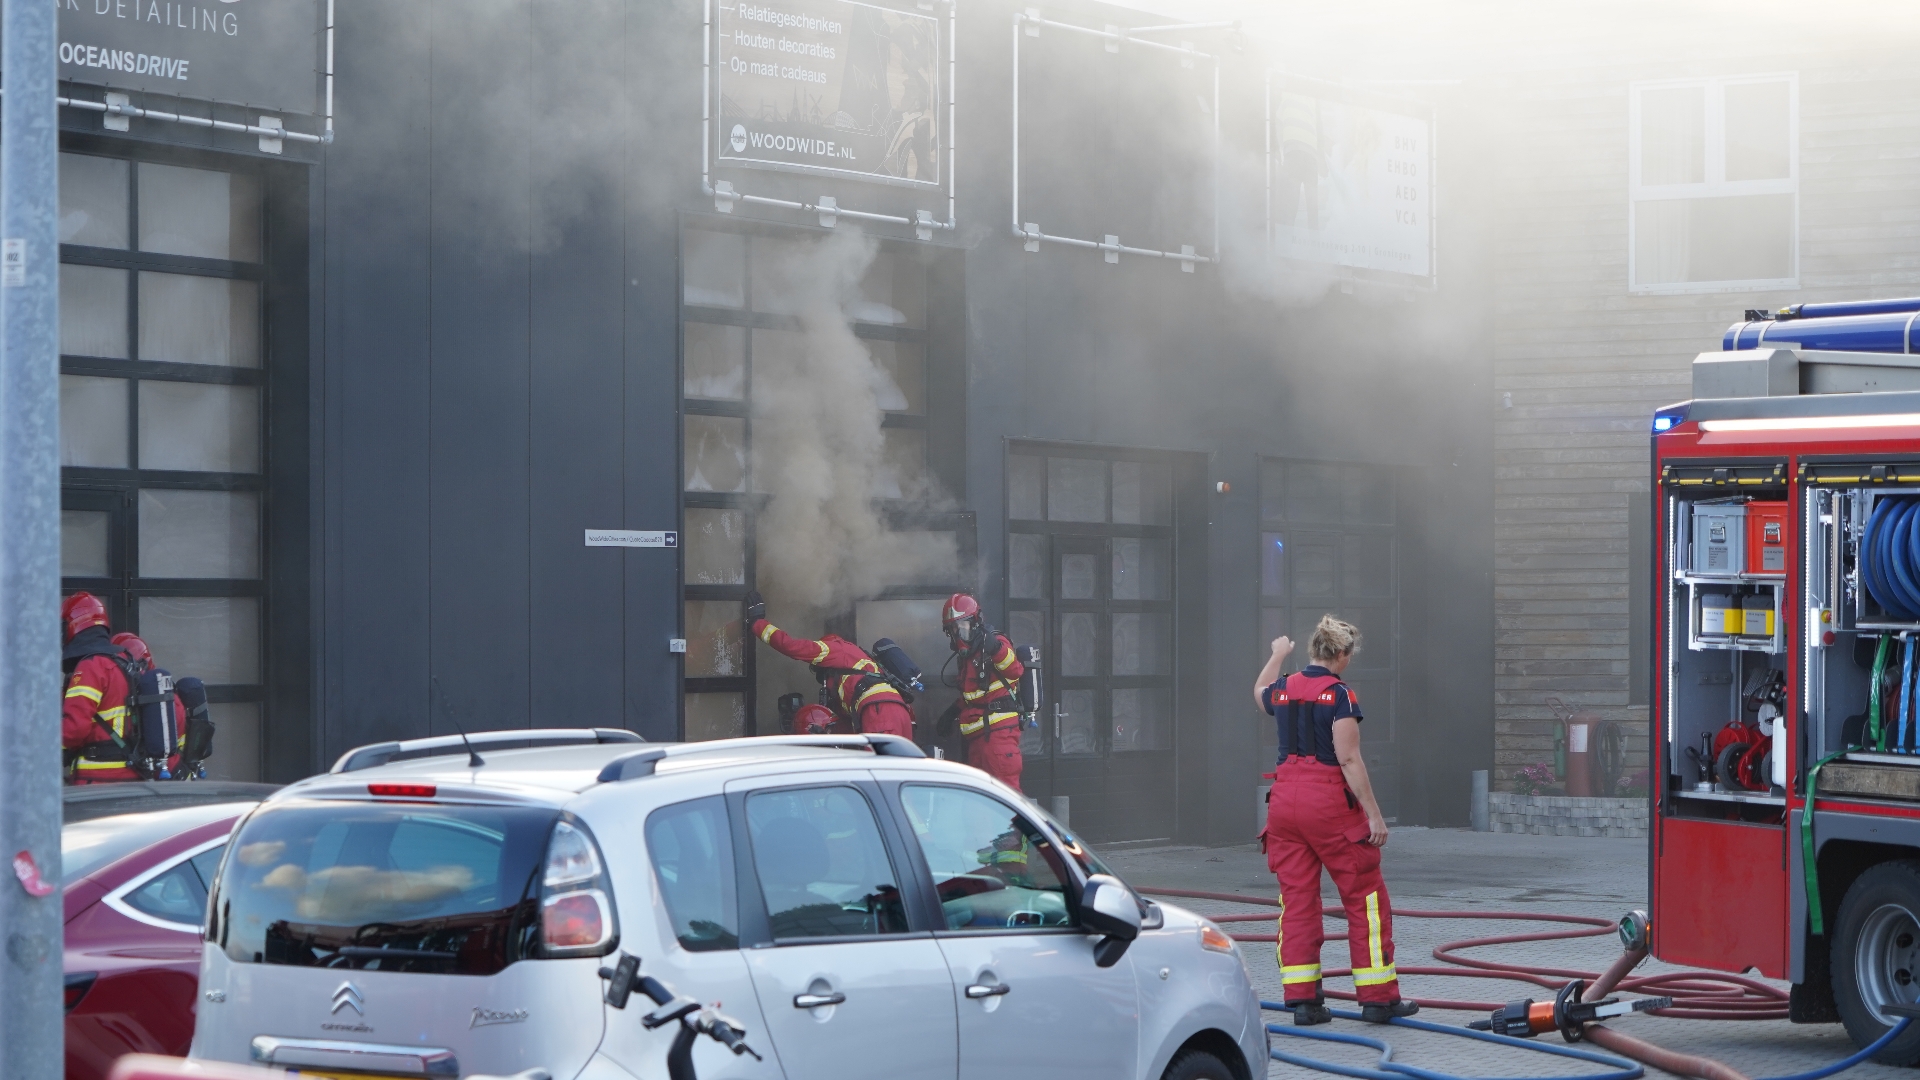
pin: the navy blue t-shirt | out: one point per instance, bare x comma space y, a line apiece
1331, 701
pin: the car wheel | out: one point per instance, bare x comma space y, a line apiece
1876, 957
1197, 1065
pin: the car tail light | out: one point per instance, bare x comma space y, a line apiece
78, 983
576, 909
404, 791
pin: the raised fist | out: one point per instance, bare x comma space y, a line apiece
754, 607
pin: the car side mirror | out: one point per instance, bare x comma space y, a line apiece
1108, 908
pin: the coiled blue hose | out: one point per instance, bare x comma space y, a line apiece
1390, 1069
1890, 556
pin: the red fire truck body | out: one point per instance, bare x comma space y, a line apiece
1773, 531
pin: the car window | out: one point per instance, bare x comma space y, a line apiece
1090, 863
823, 869
180, 894
692, 855
991, 867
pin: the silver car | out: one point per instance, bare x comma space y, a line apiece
860, 909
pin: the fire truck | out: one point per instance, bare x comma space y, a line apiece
1785, 705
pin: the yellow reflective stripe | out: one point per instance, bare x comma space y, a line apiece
1001, 717
1373, 935
881, 688
973, 695
1300, 973
83, 763
1373, 976
1005, 664
766, 633
823, 652
84, 691
972, 726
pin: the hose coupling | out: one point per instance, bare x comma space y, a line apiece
1566, 1013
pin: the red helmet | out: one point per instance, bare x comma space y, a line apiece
80, 611
134, 647
813, 720
961, 607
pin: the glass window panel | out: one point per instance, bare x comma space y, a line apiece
93, 201
1367, 566
904, 457
1079, 726
1313, 571
823, 868
893, 292
716, 361
199, 320
1273, 623
900, 369
1025, 483
714, 265
716, 716
1142, 644
1757, 131
213, 215
1079, 578
778, 350
236, 741
216, 638
93, 311
715, 544
1076, 489
1142, 719
1079, 644
176, 896
991, 869
1673, 135
1726, 238
1142, 493
715, 646
716, 453
1273, 490
783, 273
1273, 565
1369, 494
1026, 566
691, 847
199, 534
85, 537
199, 427
1028, 628
1141, 569
93, 422
1313, 493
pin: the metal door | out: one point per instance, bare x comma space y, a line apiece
848, 988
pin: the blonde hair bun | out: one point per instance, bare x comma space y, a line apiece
1333, 639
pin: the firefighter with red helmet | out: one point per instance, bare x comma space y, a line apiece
96, 714
852, 683
988, 709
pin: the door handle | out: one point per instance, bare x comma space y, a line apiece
981, 990
814, 1001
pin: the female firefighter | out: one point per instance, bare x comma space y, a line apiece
1321, 812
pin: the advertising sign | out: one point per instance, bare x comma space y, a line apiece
1352, 183
829, 86
264, 54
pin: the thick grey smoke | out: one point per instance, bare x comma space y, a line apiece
820, 450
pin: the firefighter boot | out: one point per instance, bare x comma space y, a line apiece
1309, 1013
1385, 1012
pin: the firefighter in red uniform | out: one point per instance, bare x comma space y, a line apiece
1321, 812
989, 679
94, 720
856, 684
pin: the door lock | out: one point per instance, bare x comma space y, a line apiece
814, 1001
981, 990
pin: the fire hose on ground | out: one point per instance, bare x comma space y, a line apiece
1699, 995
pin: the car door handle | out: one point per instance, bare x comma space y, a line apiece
981, 990
814, 1001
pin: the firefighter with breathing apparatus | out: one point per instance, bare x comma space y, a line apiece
853, 685
123, 718
1321, 812
999, 688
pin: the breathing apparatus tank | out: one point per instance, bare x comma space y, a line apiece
899, 664
1028, 692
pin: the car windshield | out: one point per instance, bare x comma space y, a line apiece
425, 887
86, 846
1070, 842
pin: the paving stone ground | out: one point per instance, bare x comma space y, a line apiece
1458, 869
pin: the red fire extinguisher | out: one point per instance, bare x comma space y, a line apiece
1577, 743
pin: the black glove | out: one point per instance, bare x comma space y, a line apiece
753, 607
944, 723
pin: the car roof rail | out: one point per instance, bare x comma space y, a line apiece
636, 765
367, 757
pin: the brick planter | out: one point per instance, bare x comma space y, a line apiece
1562, 815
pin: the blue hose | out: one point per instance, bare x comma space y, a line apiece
1890, 556
1390, 1069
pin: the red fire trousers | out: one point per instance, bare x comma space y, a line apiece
887, 718
1312, 821
997, 751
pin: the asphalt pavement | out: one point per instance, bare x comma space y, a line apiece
1457, 869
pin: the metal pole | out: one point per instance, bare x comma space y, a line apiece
30, 990
1477, 807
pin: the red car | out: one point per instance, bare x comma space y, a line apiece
136, 863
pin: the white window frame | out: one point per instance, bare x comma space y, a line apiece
1716, 183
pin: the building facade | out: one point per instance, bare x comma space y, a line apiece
591, 318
